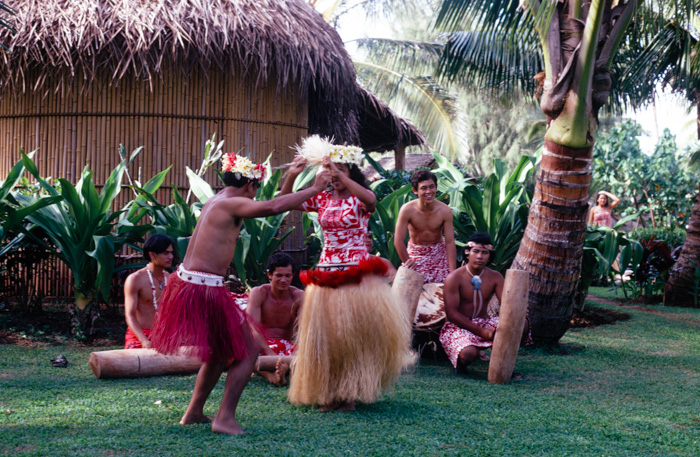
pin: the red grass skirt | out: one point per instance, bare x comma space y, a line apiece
205, 320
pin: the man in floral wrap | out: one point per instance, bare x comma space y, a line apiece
427, 221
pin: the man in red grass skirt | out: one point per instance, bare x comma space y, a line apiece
354, 334
198, 314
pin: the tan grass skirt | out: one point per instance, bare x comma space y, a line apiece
353, 343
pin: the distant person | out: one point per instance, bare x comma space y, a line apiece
143, 290
275, 306
431, 247
198, 311
601, 214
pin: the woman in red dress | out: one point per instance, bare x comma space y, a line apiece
354, 334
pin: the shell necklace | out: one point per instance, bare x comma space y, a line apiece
153, 287
476, 282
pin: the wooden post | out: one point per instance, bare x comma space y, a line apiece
400, 157
134, 363
511, 324
408, 285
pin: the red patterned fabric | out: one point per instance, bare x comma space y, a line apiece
454, 338
603, 218
280, 346
431, 261
344, 225
204, 319
132, 342
371, 265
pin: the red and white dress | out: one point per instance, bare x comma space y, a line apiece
344, 223
354, 335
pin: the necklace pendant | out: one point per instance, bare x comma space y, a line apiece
160, 285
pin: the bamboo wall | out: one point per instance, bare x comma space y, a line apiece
171, 118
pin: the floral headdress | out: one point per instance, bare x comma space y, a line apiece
315, 148
242, 166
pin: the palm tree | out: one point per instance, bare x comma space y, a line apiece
578, 43
671, 58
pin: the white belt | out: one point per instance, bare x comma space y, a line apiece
196, 277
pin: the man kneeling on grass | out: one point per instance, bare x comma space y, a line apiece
467, 291
276, 307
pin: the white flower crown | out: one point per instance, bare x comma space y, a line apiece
315, 148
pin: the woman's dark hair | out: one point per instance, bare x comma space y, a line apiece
480, 238
420, 176
279, 259
229, 179
357, 176
156, 244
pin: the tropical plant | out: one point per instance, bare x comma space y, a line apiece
85, 234
382, 223
657, 184
12, 212
652, 273
603, 246
497, 206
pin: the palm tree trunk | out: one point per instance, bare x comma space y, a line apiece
681, 289
552, 247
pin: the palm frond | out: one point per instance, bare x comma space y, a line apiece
423, 101
404, 56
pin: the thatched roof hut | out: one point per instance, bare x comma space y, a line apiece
82, 77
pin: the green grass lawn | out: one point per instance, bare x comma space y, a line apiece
630, 389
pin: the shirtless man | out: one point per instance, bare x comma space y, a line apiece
467, 292
143, 289
198, 312
275, 306
427, 221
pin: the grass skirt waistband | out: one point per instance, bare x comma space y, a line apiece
353, 342
203, 319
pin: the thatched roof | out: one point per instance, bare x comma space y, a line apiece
59, 40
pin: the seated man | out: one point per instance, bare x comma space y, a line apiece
427, 221
143, 289
467, 292
276, 307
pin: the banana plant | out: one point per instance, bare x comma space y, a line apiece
85, 234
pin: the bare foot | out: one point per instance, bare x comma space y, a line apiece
484, 356
270, 376
189, 419
339, 406
232, 429
281, 371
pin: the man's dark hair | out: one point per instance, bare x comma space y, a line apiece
480, 238
230, 179
279, 259
420, 176
156, 244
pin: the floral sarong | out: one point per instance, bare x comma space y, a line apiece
280, 346
454, 338
431, 261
